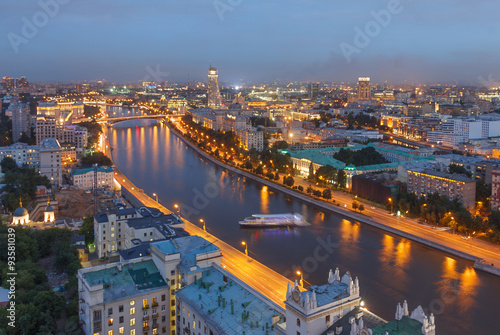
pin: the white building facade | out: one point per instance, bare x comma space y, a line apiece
118, 229
137, 296
250, 138
44, 158
83, 179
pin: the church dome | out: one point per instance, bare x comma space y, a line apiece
49, 209
20, 212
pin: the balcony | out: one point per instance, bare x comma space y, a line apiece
145, 306
145, 317
146, 328
155, 304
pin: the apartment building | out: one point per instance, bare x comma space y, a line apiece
137, 296
60, 109
47, 127
44, 158
238, 306
125, 228
495, 190
83, 179
250, 138
20, 119
423, 182
124, 298
180, 287
219, 303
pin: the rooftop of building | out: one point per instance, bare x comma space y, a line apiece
440, 174
229, 306
159, 222
322, 157
125, 280
143, 211
378, 166
405, 326
102, 169
460, 158
76, 238
188, 247
388, 180
370, 320
47, 143
316, 156
141, 250
328, 293
145, 217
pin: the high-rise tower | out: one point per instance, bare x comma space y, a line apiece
22, 82
20, 120
364, 89
313, 90
214, 99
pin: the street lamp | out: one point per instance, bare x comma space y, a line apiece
155, 195
204, 227
246, 247
301, 279
390, 201
177, 208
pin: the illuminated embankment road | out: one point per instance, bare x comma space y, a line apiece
258, 276
472, 249
390, 268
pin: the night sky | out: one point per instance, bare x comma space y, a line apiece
250, 40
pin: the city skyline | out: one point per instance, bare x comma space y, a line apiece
250, 41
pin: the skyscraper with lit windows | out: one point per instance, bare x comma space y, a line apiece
214, 98
364, 89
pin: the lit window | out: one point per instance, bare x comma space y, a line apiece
132, 322
132, 303
132, 310
110, 332
132, 332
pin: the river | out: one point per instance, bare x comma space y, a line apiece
390, 268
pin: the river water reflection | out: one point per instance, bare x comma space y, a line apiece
390, 268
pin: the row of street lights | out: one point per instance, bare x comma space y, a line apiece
202, 221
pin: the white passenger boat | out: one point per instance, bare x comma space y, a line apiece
274, 220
